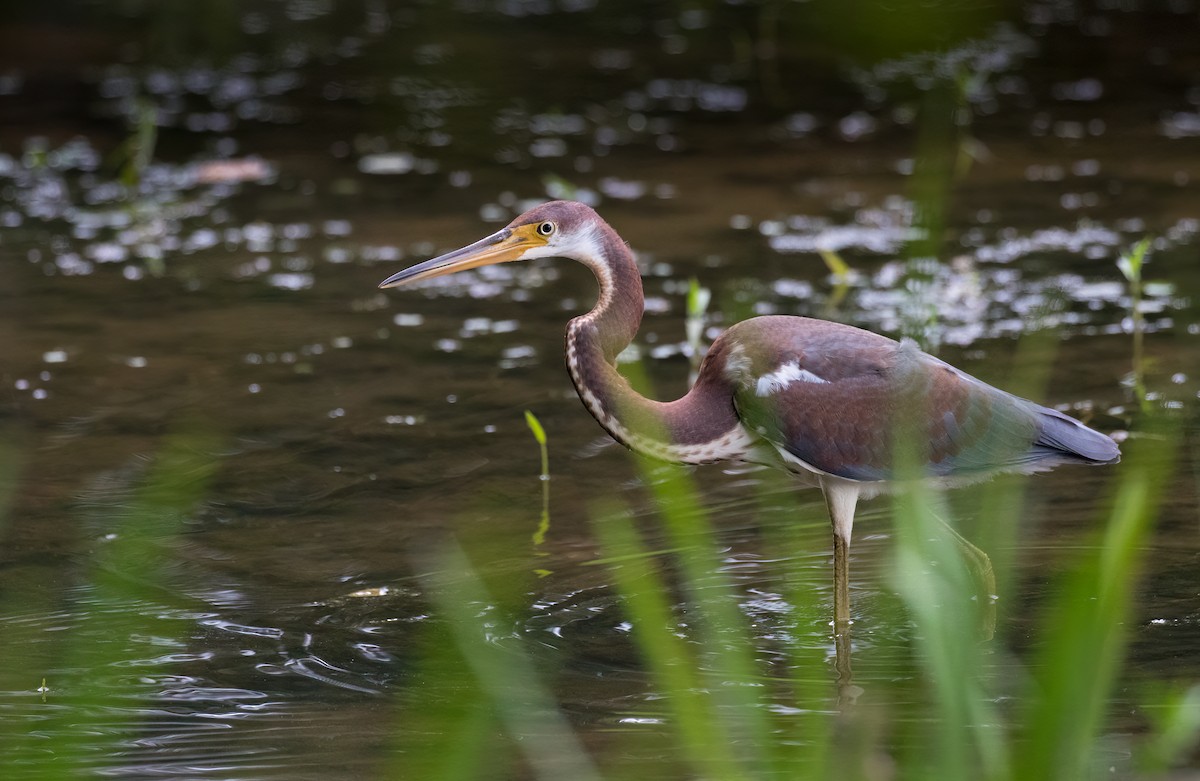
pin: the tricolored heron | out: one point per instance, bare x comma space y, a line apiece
821, 400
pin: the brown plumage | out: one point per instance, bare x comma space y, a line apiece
822, 400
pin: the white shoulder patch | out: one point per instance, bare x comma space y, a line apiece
784, 376
737, 364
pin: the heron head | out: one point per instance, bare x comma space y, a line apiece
554, 229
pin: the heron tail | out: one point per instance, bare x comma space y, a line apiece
1067, 436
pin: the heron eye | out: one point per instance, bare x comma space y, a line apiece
546, 228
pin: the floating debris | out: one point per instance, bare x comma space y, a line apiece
249, 169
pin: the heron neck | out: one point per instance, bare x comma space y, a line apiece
614, 321
698, 428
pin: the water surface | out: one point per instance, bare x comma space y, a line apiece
218, 296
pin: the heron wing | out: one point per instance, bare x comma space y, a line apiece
839, 399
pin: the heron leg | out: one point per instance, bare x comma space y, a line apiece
841, 583
841, 619
841, 499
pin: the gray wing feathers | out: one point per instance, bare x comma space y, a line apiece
1069, 436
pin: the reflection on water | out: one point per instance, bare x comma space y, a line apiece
227, 282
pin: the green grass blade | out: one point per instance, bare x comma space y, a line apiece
721, 628
125, 582
668, 657
446, 728
539, 434
933, 579
1086, 634
807, 744
936, 586
1176, 718
837, 266
520, 698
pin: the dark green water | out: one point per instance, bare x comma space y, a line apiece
351, 431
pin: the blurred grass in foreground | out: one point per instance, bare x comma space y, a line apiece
93, 700
726, 713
